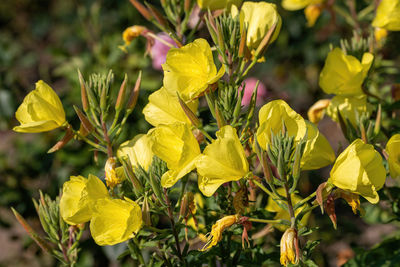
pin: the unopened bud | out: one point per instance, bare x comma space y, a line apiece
112, 178
157, 15
60, 144
189, 113
187, 205
121, 94
220, 118
242, 45
85, 104
84, 120
265, 41
312, 12
135, 93
146, 212
142, 9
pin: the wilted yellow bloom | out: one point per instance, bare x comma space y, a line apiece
131, 33
388, 15
259, 17
218, 4
282, 214
317, 154
288, 247
79, 195
112, 176
164, 108
298, 4
176, 145
317, 111
189, 70
344, 74
40, 111
380, 35
359, 170
352, 199
216, 231
222, 161
138, 151
312, 13
349, 107
115, 221
393, 150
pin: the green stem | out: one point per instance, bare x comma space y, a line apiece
90, 142
263, 188
301, 203
285, 222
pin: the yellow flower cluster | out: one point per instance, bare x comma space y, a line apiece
112, 221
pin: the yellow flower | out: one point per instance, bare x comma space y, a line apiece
176, 145
138, 151
312, 13
79, 195
317, 111
349, 108
40, 111
216, 231
164, 108
344, 74
131, 33
259, 18
189, 70
288, 247
298, 4
282, 214
388, 15
393, 149
218, 4
115, 221
113, 177
317, 154
380, 35
359, 170
222, 161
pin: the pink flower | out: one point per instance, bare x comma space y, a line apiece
159, 50
248, 91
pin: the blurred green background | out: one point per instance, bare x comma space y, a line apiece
50, 39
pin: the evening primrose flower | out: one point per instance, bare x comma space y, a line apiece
138, 151
189, 70
176, 145
164, 108
359, 169
78, 197
393, 150
40, 111
388, 15
218, 4
216, 231
349, 107
258, 17
317, 153
282, 214
288, 247
222, 161
115, 221
317, 111
344, 74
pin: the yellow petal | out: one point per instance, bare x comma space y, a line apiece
259, 18
176, 145
344, 74
312, 13
222, 161
40, 111
115, 221
79, 195
218, 4
359, 169
388, 15
138, 151
189, 70
318, 152
272, 115
349, 107
298, 4
164, 108
393, 150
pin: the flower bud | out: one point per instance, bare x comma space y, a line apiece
312, 12
317, 111
112, 179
